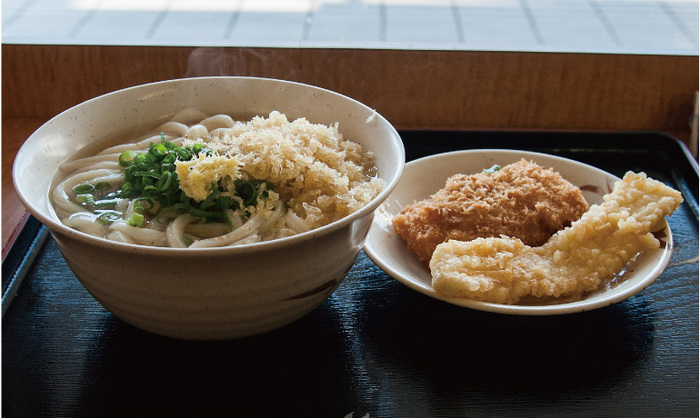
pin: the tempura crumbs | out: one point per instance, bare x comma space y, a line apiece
573, 262
322, 175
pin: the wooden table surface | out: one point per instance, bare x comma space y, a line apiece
14, 132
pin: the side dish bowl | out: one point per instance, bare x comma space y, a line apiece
208, 293
423, 177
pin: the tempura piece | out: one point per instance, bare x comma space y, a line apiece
572, 262
522, 199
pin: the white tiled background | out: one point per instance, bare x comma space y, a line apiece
604, 26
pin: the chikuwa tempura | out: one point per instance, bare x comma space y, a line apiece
522, 232
218, 182
572, 263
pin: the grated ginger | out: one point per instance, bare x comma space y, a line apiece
197, 175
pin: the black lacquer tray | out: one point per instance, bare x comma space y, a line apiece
375, 347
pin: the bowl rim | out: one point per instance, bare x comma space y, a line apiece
55, 226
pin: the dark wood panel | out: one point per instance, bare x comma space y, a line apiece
413, 89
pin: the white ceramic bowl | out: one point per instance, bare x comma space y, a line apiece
425, 176
212, 293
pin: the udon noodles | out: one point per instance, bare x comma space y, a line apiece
217, 182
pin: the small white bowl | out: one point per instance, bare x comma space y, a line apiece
425, 176
211, 293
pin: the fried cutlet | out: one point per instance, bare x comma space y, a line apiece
571, 263
522, 200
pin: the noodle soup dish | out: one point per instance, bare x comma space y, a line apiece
216, 182
210, 208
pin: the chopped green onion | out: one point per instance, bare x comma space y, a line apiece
143, 205
152, 177
158, 149
127, 189
104, 203
493, 169
102, 186
108, 217
83, 188
225, 202
127, 158
136, 219
252, 190
165, 180
85, 199
246, 190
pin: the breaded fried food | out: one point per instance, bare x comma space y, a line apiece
522, 200
571, 263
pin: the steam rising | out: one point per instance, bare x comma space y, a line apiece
220, 61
